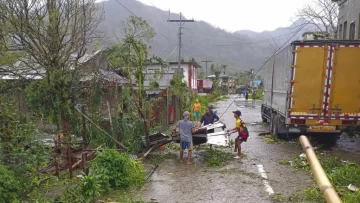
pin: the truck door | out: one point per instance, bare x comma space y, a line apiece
345, 85
308, 81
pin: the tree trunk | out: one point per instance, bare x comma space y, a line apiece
121, 114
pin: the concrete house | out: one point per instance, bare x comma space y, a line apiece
189, 72
349, 19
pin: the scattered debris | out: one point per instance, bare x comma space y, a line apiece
254, 123
263, 133
153, 199
290, 163
353, 188
302, 155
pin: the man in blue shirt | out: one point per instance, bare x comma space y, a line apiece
209, 118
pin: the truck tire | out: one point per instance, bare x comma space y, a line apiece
273, 124
278, 127
264, 120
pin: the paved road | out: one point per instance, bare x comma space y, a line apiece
254, 180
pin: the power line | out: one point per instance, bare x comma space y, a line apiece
180, 22
126, 8
137, 16
206, 62
284, 44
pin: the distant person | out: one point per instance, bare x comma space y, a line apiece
186, 128
197, 110
209, 118
242, 131
253, 96
246, 96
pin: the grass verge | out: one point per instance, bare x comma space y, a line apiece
217, 158
340, 173
273, 139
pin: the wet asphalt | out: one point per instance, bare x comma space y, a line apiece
254, 179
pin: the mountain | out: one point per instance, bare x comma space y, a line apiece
241, 50
281, 35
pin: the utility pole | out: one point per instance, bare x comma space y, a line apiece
180, 22
206, 62
224, 67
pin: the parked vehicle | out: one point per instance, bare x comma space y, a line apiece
313, 87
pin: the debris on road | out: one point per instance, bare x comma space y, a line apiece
263, 133
254, 123
353, 188
302, 155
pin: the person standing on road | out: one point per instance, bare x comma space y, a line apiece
241, 129
209, 118
246, 96
253, 96
196, 110
186, 128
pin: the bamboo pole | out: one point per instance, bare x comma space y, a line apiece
103, 131
322, 180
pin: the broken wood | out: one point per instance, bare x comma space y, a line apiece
103, 131
264, 133
80, 162
110, 119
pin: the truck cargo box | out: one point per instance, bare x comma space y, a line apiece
314, 83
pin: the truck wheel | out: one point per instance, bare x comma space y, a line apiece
264, 120
273, 125
278, 128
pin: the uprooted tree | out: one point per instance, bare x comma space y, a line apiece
52, 37
132, 56
323, 14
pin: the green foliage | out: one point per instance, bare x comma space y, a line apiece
10, 187
340, 173
50, 96
91, 187
216, 158
117, 171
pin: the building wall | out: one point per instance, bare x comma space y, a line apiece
189, 71
349, 13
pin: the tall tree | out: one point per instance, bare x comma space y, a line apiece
323, 14
131, 55
53, 35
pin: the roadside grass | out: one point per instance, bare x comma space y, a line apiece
340, 173
216, 158
123, 196
273, 139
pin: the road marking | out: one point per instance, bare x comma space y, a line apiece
266, 183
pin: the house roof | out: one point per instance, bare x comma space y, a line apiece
19, 70
108, 76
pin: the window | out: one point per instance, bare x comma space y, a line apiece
352, 31
345, 30
340, 32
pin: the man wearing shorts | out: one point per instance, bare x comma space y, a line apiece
242, 135
186, 128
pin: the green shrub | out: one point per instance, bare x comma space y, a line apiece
117, 170
9, 186
217, 158
91, 187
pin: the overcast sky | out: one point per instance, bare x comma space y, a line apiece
233, 15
